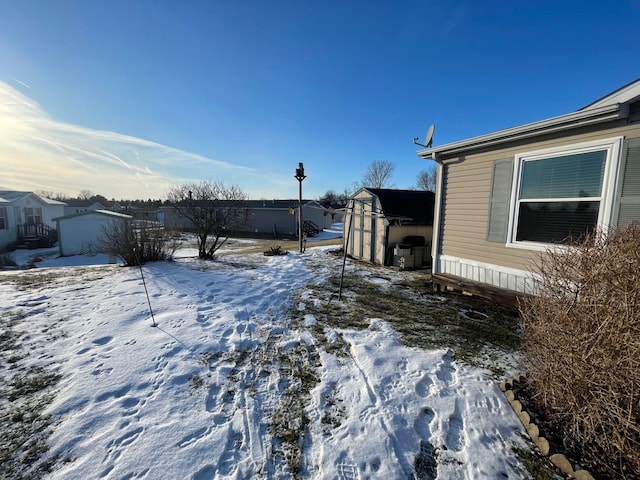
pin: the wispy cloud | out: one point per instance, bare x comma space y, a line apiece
21, 83
40, 153
456, 18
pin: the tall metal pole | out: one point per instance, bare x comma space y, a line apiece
300, 215
346, 244
300, 176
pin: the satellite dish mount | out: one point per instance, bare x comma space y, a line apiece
428, 139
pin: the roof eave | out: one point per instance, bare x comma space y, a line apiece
569, 121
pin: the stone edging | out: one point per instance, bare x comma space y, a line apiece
558, 459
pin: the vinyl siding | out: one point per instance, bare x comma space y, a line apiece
466, 190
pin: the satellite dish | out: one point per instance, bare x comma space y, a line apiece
428, 139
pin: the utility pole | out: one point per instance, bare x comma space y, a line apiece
300, 176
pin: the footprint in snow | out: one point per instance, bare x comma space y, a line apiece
212, 398
422, 387
446, 371
347, 471
193, 437
455, 430
208, 472
121, 392
423, 422
425, 465
455, 435
116, 446
229, 459
489, 404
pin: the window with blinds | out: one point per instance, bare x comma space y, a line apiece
563, 193
560, 197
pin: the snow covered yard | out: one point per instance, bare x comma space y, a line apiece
255, 370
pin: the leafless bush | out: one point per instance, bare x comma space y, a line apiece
7, 260
137, 242
582, 341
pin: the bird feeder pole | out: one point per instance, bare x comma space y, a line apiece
300, 176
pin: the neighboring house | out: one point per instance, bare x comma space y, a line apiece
280, 217
79, 206
147, 214
264, 217
390, 227
26, 219
151, 213
80, 233
504, 197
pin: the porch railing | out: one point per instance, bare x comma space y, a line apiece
37, 234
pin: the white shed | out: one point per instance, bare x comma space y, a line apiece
80, 233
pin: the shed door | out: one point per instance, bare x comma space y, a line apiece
368, 224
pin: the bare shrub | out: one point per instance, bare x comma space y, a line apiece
7, 260
581, 336
137, 242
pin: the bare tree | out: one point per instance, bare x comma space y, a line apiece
427, 179
329, 199
85, 195
214, 210
378, 174
49, 194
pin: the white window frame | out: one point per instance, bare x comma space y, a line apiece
33, 214
612, 147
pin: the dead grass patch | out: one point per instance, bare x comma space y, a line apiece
421, 318
24, 393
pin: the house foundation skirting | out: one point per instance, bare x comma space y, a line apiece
519, 281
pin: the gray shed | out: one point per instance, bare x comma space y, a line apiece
390, 227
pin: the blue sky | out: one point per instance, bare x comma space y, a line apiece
128, 97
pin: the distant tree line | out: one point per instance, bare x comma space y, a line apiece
87, 195
378, 175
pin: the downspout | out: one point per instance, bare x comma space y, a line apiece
385, 242
435, 244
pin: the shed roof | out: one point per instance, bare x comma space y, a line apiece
105, 213
75, 202
415, 206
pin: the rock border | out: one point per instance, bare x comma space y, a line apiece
559, 460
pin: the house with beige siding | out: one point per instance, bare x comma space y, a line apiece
505, 197
390, 227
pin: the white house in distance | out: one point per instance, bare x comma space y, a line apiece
79, 206
80, 233
26, 219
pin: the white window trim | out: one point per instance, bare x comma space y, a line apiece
613, 147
